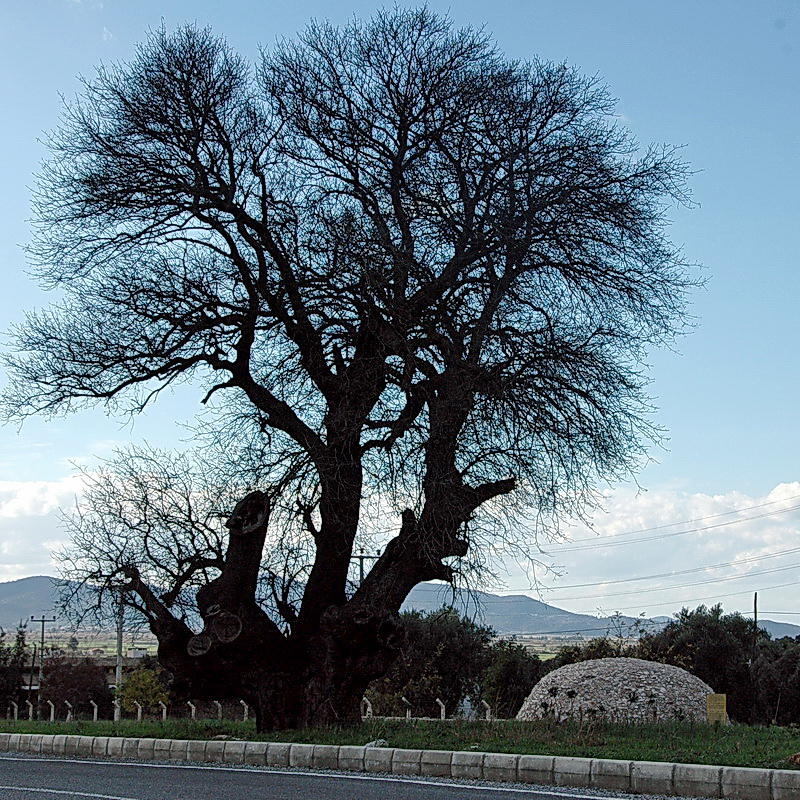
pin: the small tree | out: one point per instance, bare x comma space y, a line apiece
717, 648
145, 686
13, 658
445, 656
509, 678
77, 681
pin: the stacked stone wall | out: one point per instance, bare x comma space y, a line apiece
618, 690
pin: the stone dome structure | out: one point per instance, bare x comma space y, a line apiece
618, 690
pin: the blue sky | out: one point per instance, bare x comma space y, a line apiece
719, 77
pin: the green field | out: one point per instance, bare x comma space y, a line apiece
734, 745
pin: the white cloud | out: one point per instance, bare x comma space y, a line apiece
107, 36
635, 536
36, 498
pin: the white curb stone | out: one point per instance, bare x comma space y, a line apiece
406, 762
745, 783
500, 766
436, 763
608, 773
130, 748
651, 777
572, 771
162, 748
214, 750
115, 746
71, 744
325, 756
351, 757
196, 750
255, 753
233, 753
146, 749
278, 754
697, 780
466, 764
378, 759
301, 755
785, 784
535, 769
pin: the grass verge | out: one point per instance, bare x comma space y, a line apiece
731, 745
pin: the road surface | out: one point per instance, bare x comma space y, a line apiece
53, 778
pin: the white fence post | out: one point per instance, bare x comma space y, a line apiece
163, 710
192, 709
138, 711
52, 710
94, 710
488, 710
441, 708
408, 706
246, 709
219, 708
117, 710
69, 710
16, 710
30, 709
366, 707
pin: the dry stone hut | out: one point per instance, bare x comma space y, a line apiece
619, 690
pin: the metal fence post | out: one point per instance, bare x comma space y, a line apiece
163, 710
488, 710
30, 709
441, 708
94, 710
52, 710
192, 709
219, 708
408, 706
69, 710
246, 710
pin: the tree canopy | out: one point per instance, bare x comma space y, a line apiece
412, 276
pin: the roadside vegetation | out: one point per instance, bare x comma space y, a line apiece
731, 745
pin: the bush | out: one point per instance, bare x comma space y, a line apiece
77, 680
144, 686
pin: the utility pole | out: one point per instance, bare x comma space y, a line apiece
361, 558
753, 653
43, 621
118, 670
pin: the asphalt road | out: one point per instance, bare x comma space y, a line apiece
29, 778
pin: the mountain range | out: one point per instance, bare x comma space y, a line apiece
507, 614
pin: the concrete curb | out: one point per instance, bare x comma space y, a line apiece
696, 780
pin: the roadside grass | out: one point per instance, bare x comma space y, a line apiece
683, 742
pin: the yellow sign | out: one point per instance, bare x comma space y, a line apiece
716, 708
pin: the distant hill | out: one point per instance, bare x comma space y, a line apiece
25, 597
518, 613
507, 614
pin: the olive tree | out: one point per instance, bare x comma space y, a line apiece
412, 274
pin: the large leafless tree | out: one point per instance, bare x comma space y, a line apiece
410, 273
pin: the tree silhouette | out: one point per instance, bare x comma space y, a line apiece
410, 274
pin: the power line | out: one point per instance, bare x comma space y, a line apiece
735, 562
677, 533
678, 586
713, 597
688, 521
